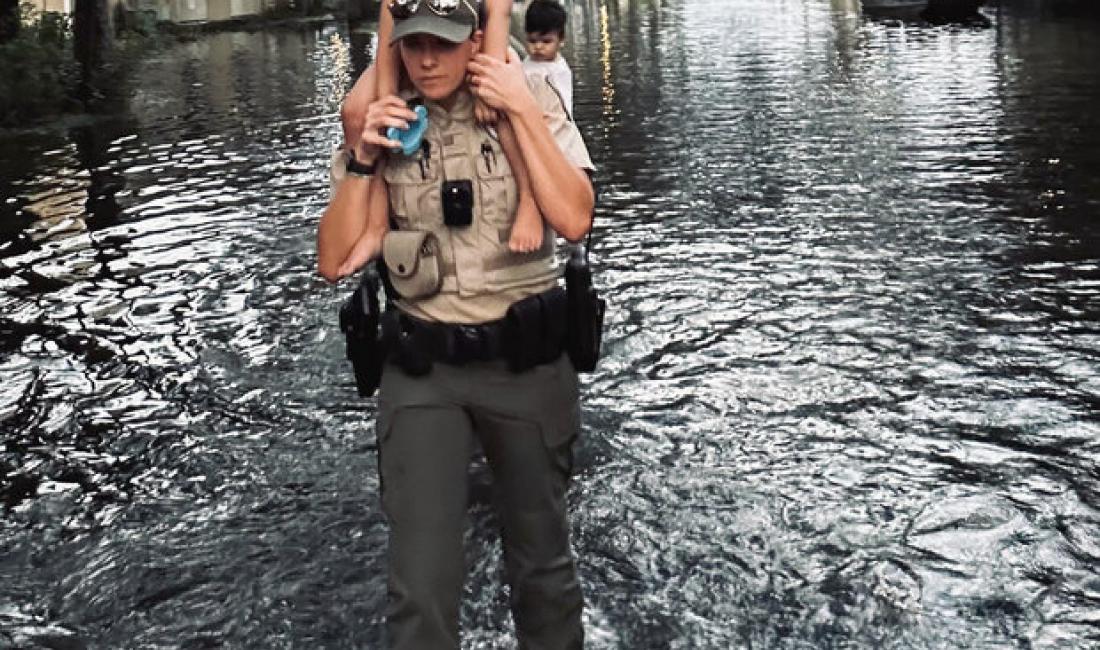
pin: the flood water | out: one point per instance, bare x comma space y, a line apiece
851, 391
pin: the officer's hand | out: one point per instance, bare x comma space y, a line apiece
500, 85
383, 113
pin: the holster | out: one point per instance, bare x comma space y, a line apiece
585, 314
359, 321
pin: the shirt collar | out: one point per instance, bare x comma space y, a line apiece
463, 107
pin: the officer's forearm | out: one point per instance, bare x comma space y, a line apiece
341, 224
561, 189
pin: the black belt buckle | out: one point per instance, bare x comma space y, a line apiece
467, 343
408, 343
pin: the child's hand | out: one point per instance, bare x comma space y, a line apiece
485, 116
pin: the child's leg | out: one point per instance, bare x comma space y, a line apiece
369, 244
494, 42
387, 58
498, 20
527, 228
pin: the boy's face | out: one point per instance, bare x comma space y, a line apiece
544, 46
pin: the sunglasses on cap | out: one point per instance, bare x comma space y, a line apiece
402, 9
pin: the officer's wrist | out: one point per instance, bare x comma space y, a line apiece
359, 164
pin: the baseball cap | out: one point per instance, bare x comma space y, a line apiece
451, 20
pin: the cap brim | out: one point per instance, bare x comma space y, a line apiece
448, 30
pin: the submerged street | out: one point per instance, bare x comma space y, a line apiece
850, 393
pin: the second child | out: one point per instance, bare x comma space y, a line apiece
544, 24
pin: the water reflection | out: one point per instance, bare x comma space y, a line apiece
851, 382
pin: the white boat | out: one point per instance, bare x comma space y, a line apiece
931, 10
894, 5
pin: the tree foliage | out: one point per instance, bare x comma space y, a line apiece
9, 20
38, 68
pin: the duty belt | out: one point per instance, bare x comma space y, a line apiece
455, 344
535, 330
531, 333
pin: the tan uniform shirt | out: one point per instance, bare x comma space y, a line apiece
482, 277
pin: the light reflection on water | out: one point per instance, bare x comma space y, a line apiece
851, 382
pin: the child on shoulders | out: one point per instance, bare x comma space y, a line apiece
381, 79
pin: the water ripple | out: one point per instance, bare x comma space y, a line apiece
850, 382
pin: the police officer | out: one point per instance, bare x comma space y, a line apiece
469, 311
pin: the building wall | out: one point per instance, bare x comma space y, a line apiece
68, 6
59, 6
159, 8
186, 10
218, 10
169, 10
246, 7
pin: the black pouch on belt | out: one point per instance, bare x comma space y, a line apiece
535, 329
359, 320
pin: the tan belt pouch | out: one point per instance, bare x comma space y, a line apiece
413, 260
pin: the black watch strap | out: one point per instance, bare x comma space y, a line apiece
357, 168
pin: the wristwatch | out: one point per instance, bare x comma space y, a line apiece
356, 168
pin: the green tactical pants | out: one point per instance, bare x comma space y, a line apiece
427, 428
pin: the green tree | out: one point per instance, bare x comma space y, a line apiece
9, 20
36, 68
91, 33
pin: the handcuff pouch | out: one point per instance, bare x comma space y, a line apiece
414, 262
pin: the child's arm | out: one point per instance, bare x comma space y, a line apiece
378, 80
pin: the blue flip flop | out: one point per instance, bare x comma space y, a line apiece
410, 137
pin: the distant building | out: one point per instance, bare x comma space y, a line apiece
175, 11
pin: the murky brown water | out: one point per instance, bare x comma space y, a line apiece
851, 396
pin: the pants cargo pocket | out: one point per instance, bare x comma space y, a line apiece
558, 435
383, 425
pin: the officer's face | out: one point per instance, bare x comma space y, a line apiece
437, 68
